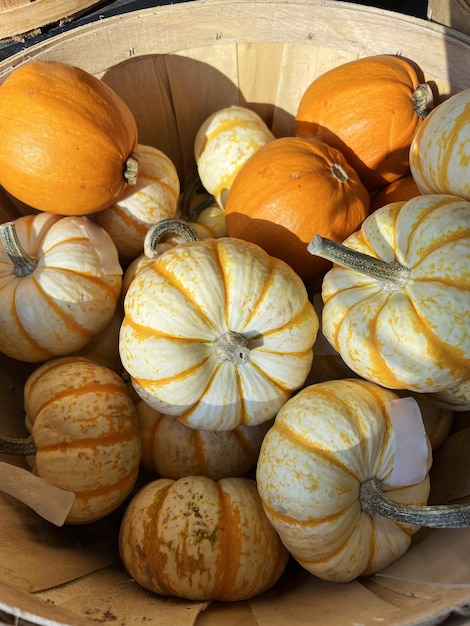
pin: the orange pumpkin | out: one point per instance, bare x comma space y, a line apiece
403, 188
370, 109
289, 189
66, 139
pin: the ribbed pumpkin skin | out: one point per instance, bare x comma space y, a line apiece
68, 298
153, 198
179, 307
364, 108
85, 429
413, 337
201, 540
174, 450
439, 153
223, 143
289, 190
65, 137
324, 443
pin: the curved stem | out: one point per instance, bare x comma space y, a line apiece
165, 227
189, 193
17, 447
131, 168
23, 263
374, 501
233, 347
423, 99
392, 275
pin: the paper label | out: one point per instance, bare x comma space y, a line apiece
50, 502
411, 444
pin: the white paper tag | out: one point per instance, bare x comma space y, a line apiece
50, 502
411, 445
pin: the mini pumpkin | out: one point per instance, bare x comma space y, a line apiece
153, 198
201, 540
66, 139
439, 152
288, 190
396, 303
369, 109
324, 475
60, 282
226, 139
84, 434
174, 450
403, 188
217, 333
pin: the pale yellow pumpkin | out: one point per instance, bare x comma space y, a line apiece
154, 197
202, 540
174, 450
223, 143
84, 426
325, 443
398, 313
60, 282
440, 152
217, 333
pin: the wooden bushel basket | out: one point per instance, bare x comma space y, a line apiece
174, 65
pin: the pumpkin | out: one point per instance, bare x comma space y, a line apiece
456, 399
60, 282
153, 198
200, 539
217, 333
439, 153
325, 478
369, 109
226, 139
403, 188
84, 434
174, 450
290, 189
396, 304
66, 139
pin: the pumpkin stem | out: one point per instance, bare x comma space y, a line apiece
423, 99
165, 227
373, 501
17, 447
131, 168
189, 212
233, 347
392, 275
339, 173
22, 262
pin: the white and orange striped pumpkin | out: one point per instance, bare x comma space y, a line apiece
154, 197
217, 333
398, 314
173, 450
60, 282
326, 442
223, 143
85, 430
200, 539
440, 152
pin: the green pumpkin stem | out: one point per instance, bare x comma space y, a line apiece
393, 276
423, 99
166, 227
17, 447
374, 502
23, 263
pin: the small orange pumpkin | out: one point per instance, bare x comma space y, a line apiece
403, 188
66, 139
370, 109
289, 189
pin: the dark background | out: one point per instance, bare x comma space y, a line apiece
416, 8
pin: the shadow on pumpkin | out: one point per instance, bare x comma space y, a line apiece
172, 95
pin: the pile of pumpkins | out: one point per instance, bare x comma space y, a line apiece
177, 331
